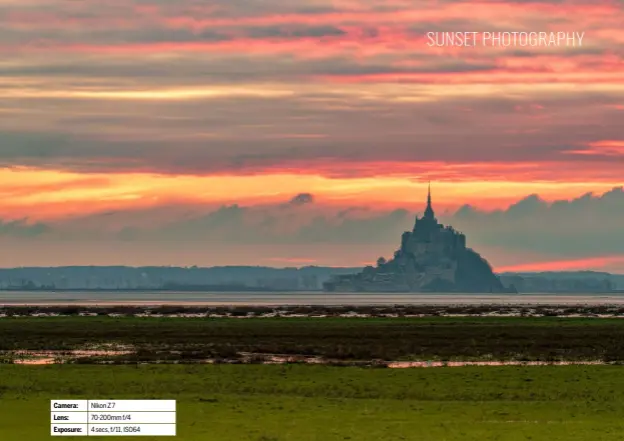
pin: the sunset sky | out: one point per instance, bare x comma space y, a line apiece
287, 133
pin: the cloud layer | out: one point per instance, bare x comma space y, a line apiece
187, 87
252, 113
528, 234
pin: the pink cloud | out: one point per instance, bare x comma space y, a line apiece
601, 148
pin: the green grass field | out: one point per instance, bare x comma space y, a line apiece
301, 403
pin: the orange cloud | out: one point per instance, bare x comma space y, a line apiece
589, 263
41, 194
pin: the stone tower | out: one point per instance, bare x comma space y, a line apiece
429, 214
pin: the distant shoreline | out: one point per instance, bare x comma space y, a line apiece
238, 289
439, 311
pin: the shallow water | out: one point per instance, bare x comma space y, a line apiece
108, 298
424, 364
59, 357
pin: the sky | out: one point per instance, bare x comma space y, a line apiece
283, 133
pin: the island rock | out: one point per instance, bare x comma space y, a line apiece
432, 258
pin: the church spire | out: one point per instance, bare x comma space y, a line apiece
429, 195
429, 211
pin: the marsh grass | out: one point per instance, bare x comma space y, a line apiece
427, 338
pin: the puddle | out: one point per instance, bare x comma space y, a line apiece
426, 364
58, 357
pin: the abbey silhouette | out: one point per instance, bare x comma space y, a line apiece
432, 258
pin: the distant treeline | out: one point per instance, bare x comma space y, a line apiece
255, 278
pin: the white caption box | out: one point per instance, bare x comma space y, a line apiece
113, 417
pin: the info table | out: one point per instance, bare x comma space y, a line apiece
113, 417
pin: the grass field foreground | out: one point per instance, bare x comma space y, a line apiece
301, 403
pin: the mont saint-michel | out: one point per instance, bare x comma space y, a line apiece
432, 258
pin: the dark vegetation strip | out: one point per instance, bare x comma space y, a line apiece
428, 338
319, 310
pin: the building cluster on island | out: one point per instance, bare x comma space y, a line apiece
432, 258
